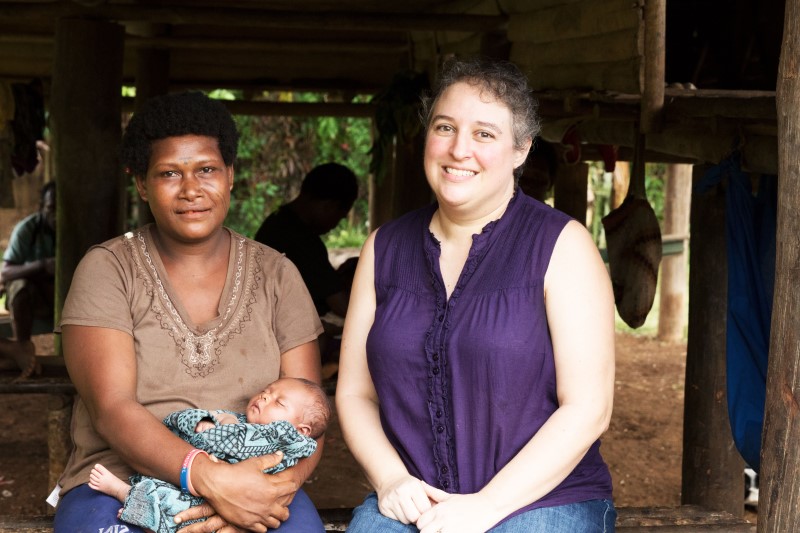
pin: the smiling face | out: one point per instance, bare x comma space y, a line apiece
188, 187
469, 150
284, 399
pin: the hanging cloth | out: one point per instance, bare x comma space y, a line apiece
633, 239
750, 225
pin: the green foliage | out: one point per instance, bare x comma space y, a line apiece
275, 153
345, 235
249, 205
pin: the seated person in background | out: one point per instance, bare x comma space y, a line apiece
28, 275
326, 196
285, 417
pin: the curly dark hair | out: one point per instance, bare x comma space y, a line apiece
173, 115
503, 81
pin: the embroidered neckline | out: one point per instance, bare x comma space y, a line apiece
195, 349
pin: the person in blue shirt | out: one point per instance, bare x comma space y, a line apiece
28, 278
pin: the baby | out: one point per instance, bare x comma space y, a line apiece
287, 416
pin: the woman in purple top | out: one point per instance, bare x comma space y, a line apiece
477, 362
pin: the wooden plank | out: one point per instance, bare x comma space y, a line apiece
573, 20
703, 528
680, 515
603, 48
253, 18
780, 456
622, 76
525, 6
655, 22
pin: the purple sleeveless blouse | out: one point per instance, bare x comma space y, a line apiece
464, 384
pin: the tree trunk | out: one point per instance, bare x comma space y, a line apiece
778, 508
672, 318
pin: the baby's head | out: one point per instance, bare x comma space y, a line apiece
299, 401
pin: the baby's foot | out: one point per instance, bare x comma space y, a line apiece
107, 483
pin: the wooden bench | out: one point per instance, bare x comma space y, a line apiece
55, 383
683, 519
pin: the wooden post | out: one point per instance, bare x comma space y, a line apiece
713, 471
621, 181
778, 508
381, 193
403, 187
655, 25
85, 120
412, 186
152, 79
671, 317
569, 193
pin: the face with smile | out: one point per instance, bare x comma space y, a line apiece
284, 399
469, 149
187, 186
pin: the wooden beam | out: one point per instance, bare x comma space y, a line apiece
655, 29
85, 120
287, 109
778, 508
245, 45
622, 76
254, 18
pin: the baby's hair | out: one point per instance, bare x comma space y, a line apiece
318, 414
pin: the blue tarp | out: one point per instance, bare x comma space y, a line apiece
750, 236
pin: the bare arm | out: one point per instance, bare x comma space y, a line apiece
42, 267
102, 365
400, 495
578, 298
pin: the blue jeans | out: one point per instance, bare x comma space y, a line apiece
85, 510
592, 516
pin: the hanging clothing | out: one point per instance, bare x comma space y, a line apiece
750, 225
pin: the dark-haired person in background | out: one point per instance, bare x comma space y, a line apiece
28, 277
326, 196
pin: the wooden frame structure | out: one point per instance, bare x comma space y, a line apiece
599, 67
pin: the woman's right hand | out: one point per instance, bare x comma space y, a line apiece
241, 494
403, 499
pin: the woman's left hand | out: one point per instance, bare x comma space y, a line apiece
461, 513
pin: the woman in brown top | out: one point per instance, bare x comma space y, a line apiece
179, 314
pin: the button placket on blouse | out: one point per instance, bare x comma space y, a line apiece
438, 410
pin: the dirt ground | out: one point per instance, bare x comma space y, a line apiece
642, 447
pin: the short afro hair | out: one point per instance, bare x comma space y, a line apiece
174, 115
